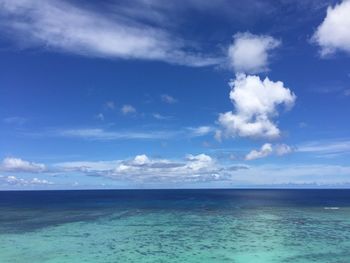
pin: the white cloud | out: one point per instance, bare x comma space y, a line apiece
268, 149
200, 162
11, 164
325, 147
142, 168
195, 168
126, 134
141, 160
86, 166
161, 170
203, 168
283, 149
200, 168
59, 25
256, 103
264, 151
159, 116
127, 109
249, 53
334, 32
201, 131
101, 134
13, 180
168, 99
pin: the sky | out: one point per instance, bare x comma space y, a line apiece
158, 94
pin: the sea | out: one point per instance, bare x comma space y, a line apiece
206, 225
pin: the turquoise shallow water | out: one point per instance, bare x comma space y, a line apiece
186, 226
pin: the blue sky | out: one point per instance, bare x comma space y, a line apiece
149, 94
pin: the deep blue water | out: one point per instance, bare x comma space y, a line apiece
55, 207
216, 225
174, 199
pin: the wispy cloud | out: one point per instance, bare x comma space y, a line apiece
128, 109
101, 134
110, 105
330, 87
100, 116
86, 166
15, 120
159, 116
62, 26
325, 147
168, 99
201, 130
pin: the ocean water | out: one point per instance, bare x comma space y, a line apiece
239, 226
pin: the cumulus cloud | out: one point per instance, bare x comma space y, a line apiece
268, 149
249, 53
333, 33
61, 26
265, 150
168, 99
141, 160
256, 103
127, 109
11, 164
